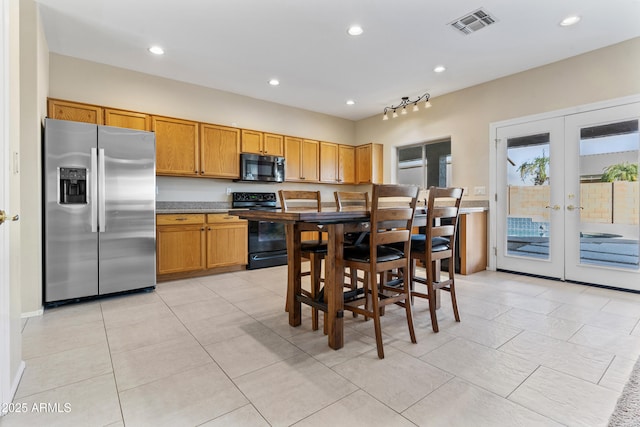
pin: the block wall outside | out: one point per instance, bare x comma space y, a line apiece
625, 202
595, 198
603, 202
530, 201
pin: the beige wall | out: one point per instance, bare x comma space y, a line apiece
84, 81
465, 115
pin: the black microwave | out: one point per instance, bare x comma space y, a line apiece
254, 167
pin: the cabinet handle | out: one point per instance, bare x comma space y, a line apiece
181, 219
209, 229
202, 229
202, 172
196, 172
302, 177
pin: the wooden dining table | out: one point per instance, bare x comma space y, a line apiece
335, 223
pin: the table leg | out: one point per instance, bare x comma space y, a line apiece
333, 285
294, 284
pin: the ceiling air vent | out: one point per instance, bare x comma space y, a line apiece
473, 21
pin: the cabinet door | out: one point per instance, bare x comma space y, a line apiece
176, 146
346, 164
219, 151
328, 162
292, 156
227, 243
180, 248
310, 156
273, 144
127, 119
251, 141
363, 166
64, 110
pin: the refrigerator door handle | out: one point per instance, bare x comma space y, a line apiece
102, 217
93, 185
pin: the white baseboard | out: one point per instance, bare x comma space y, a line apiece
38, 312
14, 384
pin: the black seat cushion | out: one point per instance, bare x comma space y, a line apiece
438, 244
360, 253
314, 246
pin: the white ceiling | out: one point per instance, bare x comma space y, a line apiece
238, 45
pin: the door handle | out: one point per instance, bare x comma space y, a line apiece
4, 217
573, 208
554, 207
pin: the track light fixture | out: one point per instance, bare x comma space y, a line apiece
402, 106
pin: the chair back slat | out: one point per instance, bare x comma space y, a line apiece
443, 209
351, 199
443, 231
392, 211
288, 196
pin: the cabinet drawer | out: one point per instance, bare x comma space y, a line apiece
176, 219
222, 217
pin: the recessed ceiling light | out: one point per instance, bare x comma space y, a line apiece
355, 30
439, 69
570, 20
156, 50
274, 82
350, 102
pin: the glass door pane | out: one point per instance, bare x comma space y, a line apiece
602, 204
530, 187
528, 196
609, 195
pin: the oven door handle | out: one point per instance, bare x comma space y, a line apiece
260, 258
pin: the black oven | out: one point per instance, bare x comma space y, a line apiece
267, 240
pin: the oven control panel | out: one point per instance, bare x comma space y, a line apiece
249, 200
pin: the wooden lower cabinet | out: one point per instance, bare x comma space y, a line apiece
180, 243
227, 240
198, 244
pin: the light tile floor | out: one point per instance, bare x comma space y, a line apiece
218, 351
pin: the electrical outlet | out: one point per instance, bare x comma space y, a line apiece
465, 191
229, 191
480, 191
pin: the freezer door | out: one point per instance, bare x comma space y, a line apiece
70, 248
126, 211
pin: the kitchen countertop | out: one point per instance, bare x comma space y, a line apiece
224, 207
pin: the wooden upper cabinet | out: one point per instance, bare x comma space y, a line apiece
369, 164
293, 158
176, 146
65, 110
262, 143
127, 119
310, 156
219, 151
346, 164
301, 159
251, 141
337, 163
329, 162
273, 144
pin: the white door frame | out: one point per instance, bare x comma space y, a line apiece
5, 309
493, 177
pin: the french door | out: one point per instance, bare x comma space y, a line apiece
567, 197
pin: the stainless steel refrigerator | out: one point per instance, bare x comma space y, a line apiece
99, 210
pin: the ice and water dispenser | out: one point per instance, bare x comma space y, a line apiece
73, 186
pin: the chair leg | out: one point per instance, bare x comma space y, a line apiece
376, 314
407, 305
316, 269
431, 294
